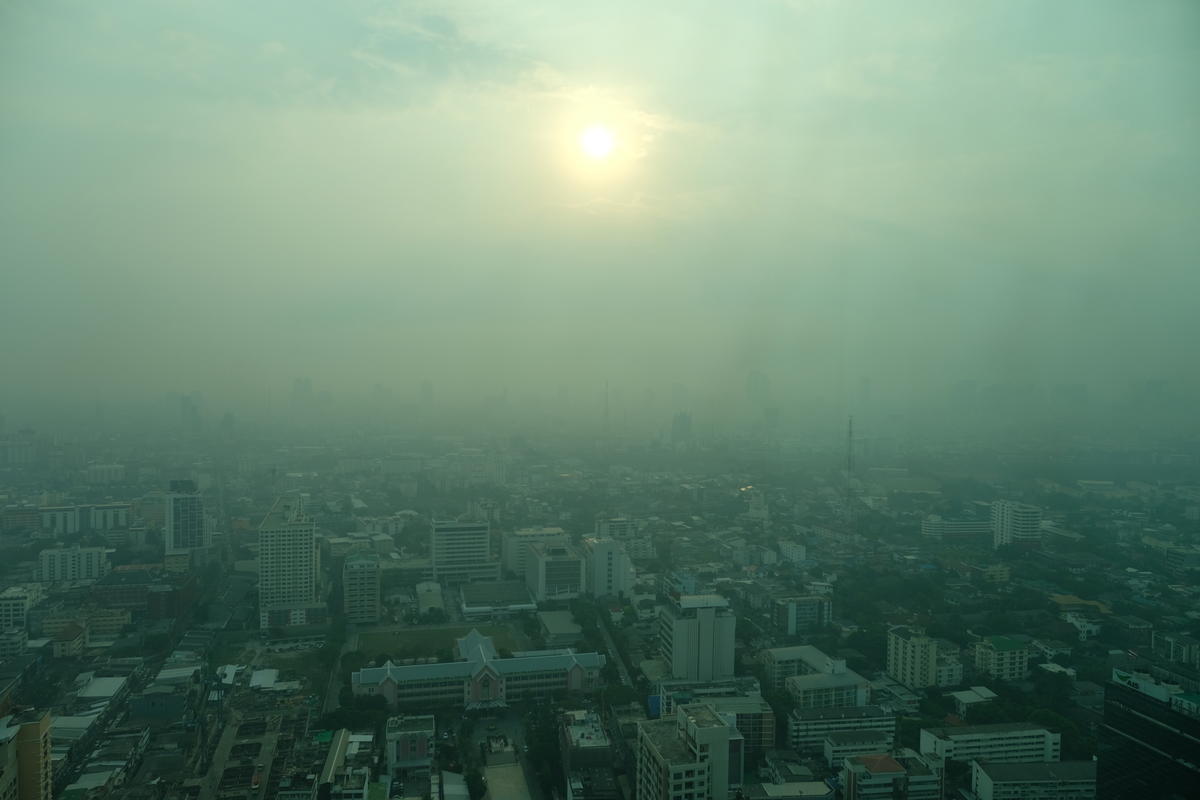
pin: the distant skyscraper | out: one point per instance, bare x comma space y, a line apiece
184, 521
289, 567
1016, 524
681, 427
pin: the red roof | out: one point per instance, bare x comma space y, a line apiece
879, 763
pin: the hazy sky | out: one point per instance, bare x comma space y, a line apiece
222, 195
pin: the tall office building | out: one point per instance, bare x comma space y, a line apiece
1016, 524
1149, 742
554, 572
697, 755
696, 636
514, 546
183, 524
72, 564
793, 615
360, 588
26, 764
289, 567
461, 552
609, 570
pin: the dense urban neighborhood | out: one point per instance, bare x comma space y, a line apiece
436, 617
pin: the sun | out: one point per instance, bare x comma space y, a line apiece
596, 142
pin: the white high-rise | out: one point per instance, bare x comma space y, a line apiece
696, 635
289, 566
73, 564
698, 755
609, 570
1016, 524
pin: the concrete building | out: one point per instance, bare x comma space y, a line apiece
514, 546
15, 603
1066, 780
73, 564
695, 756
60, 520
609, 569
1016, 525
554, 572
109, 516
840, 745
461, 552
289, 567
587, 757
844, 688
638, 544
904, 776
808, 728
919, 661
1004, 742
793, 615
26, 768
937, 528
479, 678
1003, 658
360, 588
696, 636
411, 743
783, 662
183, 524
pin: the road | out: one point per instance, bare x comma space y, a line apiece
615, 654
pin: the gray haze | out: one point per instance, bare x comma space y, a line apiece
909, 211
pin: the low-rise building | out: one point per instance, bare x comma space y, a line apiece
841, 745
807, 728
411, 744
1065, 780
1004, 742
479, 678
906, 775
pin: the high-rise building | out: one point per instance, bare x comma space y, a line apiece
609, 570
514, 546
289, 567
793, 615
461, 552
183, 525
697, 755
26, 764
696, 635
1149, 742
1003, 658
919, 661
1016, 524
554, 572
360, 588
72, 564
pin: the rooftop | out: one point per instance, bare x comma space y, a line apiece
664, 736
1039, 771
411, 722
878, 763
983, 730
1004, 643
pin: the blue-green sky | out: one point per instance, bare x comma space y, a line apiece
222, 195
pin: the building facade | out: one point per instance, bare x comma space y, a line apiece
360, 588
183, 523
73, 564
697, 755
1004, 742
609, 569
1066, 780
479, 678
793, 615
1016, 524
1003, 658
514, 546
289, 564
696, 637
554, 572
461, 552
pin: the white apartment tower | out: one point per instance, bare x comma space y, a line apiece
72, 564
461, 552
289, 566
696, 635
609, 570
912, 658
1016, 524
514, 546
